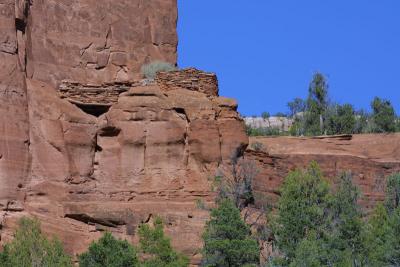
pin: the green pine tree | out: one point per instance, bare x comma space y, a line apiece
156, 247
392, 200
302, 208
340, 119
383, 230
379, 233
109, 251
227, 239
317, 103
30, 248
383, 116
310, 252
346, 231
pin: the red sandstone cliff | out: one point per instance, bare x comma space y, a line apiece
370, 158
85, 146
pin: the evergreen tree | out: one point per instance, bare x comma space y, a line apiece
392, 200
394, 238
302, 208
362, 122
156, 247
227, 240
383, 116
383, 230
317, 103
346, 235
296, 106
311, 252
109, 251
340, 119
379, 233
30, 248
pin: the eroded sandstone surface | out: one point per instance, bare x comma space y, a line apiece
85, 145
370, 158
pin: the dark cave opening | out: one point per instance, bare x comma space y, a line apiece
93, 109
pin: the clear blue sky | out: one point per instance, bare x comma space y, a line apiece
265, 51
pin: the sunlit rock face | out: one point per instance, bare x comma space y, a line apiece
369, 158
87, 146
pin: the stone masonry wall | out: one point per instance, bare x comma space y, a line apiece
190, 79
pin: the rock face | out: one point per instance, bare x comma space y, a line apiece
370, 158
96, 41
280, 123
14, 126
85, 146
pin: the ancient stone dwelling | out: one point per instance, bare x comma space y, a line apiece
86, 146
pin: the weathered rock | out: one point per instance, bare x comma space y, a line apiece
144, 157
14, 128
87, 147
370, 158
83, 151
98, 41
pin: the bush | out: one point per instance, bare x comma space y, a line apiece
346, 227
30, 248
157, 248
227, 240
264, 131
302, 208
150, 70
392, 200
109, 251
383, 115
383, 229
297, 106
340, 119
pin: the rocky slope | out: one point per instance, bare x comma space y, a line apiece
370, 158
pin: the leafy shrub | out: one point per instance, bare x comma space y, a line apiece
227, 240
392, 200
297, 106
340, 119
383, 115
30, 248
302, 208
315, 227
264, 131
109, 251
157, 248
150, 70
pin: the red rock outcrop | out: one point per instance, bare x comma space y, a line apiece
14, 126
370, 158
85, 146
96, 41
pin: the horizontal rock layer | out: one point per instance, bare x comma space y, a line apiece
370, 158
